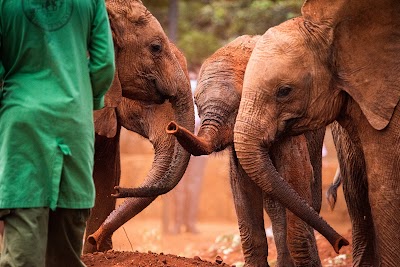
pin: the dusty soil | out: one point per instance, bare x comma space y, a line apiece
119, 258
219, 254
141, 242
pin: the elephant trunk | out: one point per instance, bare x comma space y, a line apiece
128, 209
160, 181
166, 171
257, 163
202, 144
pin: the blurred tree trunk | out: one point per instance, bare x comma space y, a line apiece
173, 20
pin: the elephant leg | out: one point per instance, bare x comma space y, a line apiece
106, 175
383, 172
315, 142
356, 195
248, 200
277, 215
355, 190
292, 161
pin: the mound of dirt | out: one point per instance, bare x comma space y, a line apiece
208, 259
137, 259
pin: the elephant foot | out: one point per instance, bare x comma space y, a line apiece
99, 241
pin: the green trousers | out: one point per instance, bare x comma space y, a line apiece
38, 237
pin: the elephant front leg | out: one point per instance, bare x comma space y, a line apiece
277, 215
106, 175
383, 172
292, 161
355, 192
355, 189
384, 197
248, 202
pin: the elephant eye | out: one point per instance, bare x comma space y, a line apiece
155, 48
284, 91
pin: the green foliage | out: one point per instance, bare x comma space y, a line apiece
206, 25
197, 46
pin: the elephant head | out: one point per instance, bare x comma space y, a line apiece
152, 70
218, 98
303, 74
147, 68
162, 179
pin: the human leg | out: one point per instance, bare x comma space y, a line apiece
25, 237
65, 238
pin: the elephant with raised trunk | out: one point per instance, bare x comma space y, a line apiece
217, 97
339, 61
150, 70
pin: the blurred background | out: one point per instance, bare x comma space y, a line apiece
200, 27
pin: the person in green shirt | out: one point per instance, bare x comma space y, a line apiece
56, 64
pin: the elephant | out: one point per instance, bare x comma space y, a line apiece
352, 173
151, 87
217, 97
344, 61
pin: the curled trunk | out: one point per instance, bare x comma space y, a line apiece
165, 162
160, 182
202, 144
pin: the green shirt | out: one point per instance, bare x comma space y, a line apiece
51, 87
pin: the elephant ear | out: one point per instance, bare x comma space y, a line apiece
123, 12
105, 119
323, 11
366, 47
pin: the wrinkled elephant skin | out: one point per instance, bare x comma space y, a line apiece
343, 60
217, 97
150, 70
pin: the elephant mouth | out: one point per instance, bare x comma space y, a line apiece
282, 131
290, 123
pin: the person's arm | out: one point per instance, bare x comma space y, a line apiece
2, 70
101, 51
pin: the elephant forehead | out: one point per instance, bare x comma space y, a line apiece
132, 11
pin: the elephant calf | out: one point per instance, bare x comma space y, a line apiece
297, 159
150, 70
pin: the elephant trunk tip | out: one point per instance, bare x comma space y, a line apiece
339, 243
172, 128
92, 239
100, 239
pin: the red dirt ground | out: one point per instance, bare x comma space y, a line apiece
140, 242
208, 258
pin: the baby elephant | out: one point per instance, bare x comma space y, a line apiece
297, 159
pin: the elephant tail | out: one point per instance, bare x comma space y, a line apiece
331, 194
